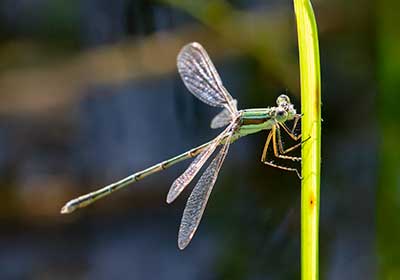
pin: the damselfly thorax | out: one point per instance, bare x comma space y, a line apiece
202, 80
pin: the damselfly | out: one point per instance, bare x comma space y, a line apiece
202, 80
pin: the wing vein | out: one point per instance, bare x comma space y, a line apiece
199, 197
202, 79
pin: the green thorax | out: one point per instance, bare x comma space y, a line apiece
255, 120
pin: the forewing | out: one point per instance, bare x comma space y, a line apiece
182, 181
201, 78
198, 198
223, 118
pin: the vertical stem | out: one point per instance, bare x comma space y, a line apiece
388, 192
311, 130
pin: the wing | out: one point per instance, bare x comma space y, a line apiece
201, 78
198, 198
182, 181
223, 118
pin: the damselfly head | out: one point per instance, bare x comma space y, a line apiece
285, 110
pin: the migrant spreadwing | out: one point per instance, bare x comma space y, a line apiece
202, 80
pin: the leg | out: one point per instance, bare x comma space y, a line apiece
291, 131
283, 167
274, 132
291, 134
296, 120
264, 155
280, 145
294, 137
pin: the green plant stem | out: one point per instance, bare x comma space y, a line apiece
311, 132
388, 203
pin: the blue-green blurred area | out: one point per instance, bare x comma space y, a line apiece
89, 93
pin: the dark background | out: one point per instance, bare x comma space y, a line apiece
89, 93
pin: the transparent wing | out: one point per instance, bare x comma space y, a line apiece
182, 181
201, 78
198, 198
223, 118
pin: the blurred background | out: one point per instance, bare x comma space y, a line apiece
89, 93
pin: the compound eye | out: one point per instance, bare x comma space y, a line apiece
281, 113
282, 99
